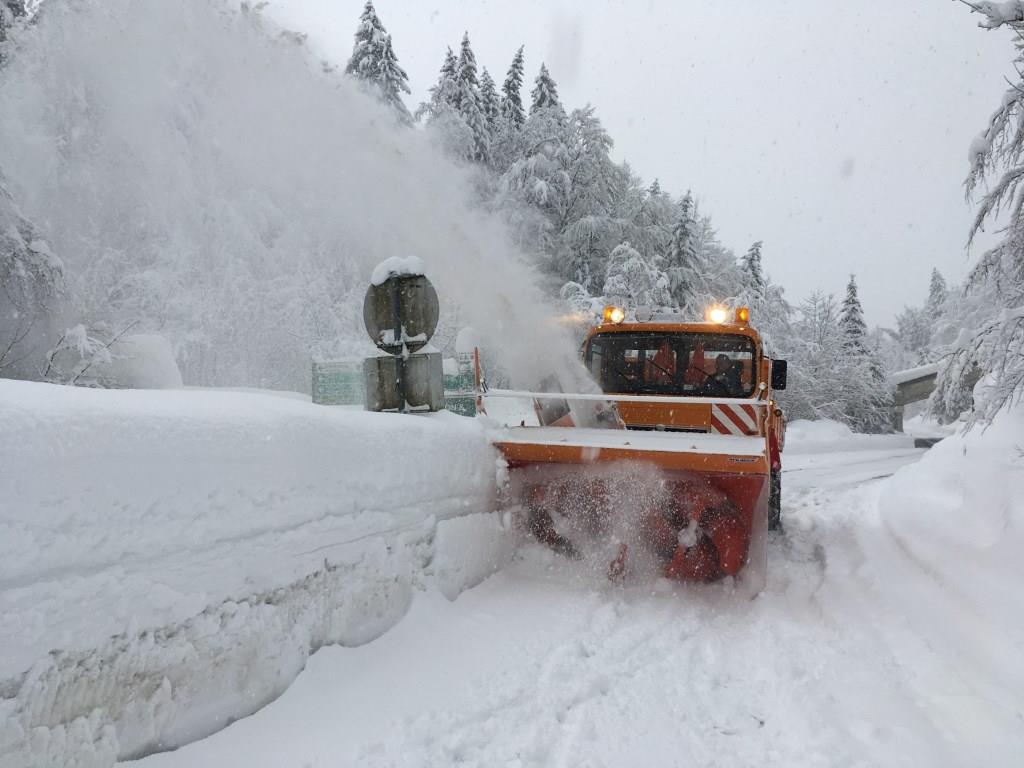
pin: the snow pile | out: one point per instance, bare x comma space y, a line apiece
959, 516
825, 435
396, 266
169, 559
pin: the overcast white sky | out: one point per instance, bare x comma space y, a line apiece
837, 132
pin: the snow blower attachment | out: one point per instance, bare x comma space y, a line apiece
675, 462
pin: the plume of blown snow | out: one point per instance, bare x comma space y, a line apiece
200, 175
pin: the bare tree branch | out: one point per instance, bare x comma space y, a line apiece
16, 339
105, 346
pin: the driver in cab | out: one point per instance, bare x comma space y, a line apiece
725, 382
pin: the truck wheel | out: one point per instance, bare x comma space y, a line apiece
775, 503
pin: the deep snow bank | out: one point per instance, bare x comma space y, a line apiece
958, 515
168, 560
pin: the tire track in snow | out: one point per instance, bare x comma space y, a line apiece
818, 670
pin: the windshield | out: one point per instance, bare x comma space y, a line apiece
658, 363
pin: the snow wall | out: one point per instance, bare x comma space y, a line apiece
957, 517
169, 559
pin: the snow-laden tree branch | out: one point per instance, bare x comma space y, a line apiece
998, 14
992, 342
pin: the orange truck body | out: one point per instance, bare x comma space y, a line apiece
714, 460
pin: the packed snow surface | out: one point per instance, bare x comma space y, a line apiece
890, 633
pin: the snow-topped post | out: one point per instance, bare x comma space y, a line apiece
401, 312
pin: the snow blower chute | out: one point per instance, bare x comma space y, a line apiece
683, 442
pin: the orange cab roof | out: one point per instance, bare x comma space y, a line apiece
636, 327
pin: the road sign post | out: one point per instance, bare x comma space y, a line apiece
401, 313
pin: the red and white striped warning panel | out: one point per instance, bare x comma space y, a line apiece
734, 419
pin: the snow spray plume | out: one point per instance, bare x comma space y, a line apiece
199, 174
601, 507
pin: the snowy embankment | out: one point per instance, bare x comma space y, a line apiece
169, 560
954, 527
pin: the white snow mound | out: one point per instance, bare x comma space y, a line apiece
169, 559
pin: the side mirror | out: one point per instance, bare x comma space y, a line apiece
779, 374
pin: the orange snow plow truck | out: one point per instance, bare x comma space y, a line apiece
672, 465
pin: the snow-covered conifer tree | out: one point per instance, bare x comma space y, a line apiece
374, 64
444, 122
511, 92
937, 293
369, 45
852, 319
681, 259
393, 82
443, 92
752, 268
465, 73
545, 93
489, 101
507, 144
468, 101
866, 394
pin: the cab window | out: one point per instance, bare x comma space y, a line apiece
695, 364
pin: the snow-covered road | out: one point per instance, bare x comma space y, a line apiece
545, 665
186, 552
844, 469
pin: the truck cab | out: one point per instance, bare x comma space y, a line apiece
700, 377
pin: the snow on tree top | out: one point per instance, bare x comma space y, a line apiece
396, 266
